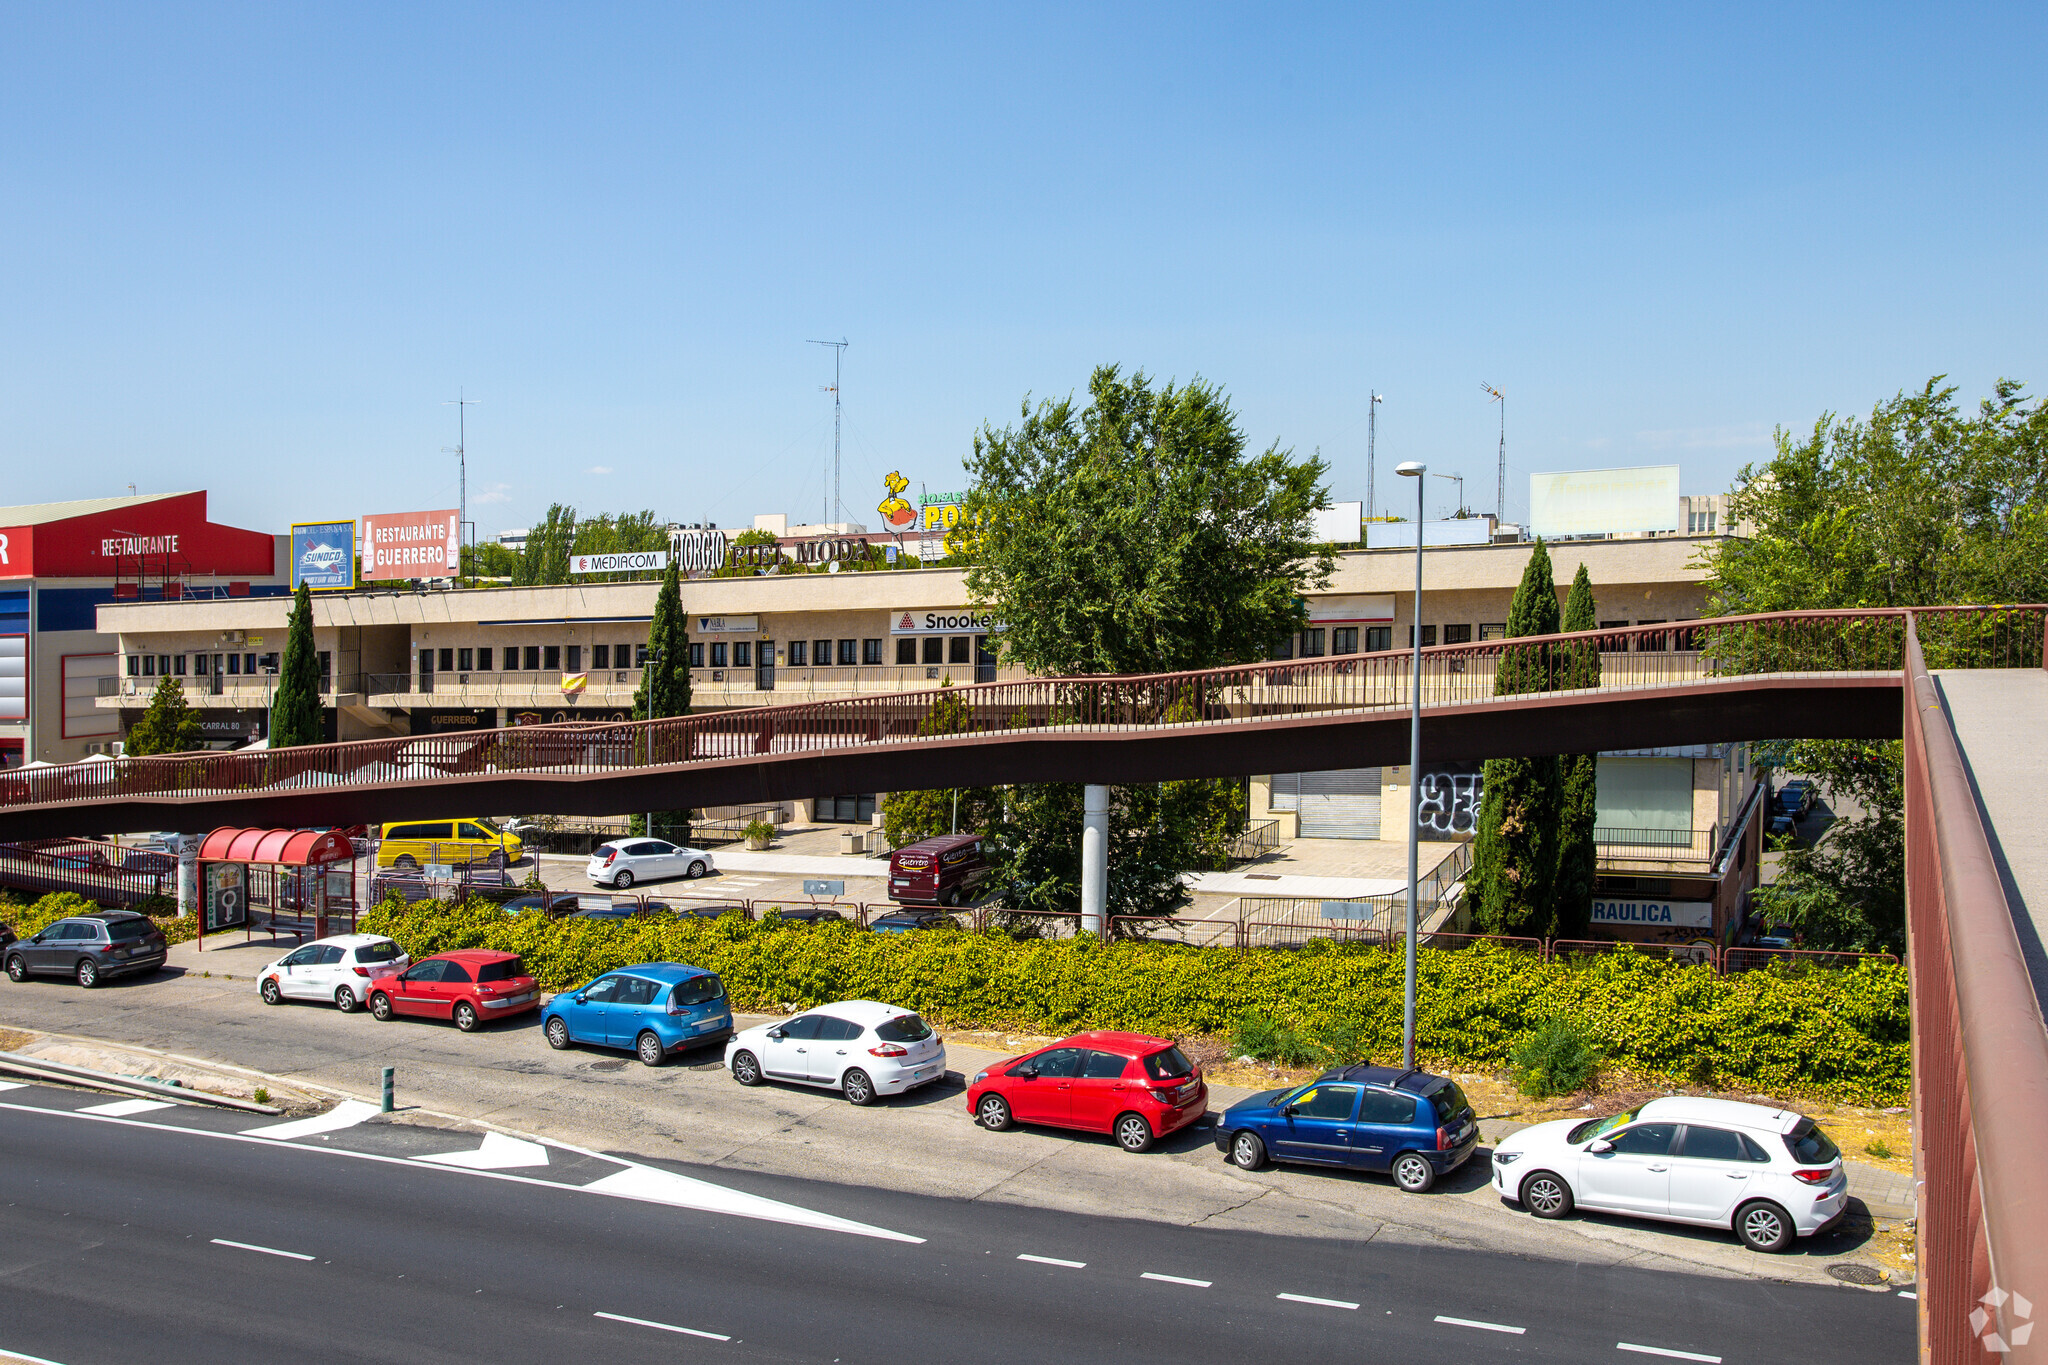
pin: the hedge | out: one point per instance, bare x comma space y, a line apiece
1837, 1034
41, 914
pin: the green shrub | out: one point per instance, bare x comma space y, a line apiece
1878, 1148
1835, 1033
1557, 1059
35, 918
1257, 1036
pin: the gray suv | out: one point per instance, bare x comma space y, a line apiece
89, 948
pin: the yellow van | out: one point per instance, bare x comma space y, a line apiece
418, 843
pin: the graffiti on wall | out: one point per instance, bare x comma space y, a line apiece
1447, 801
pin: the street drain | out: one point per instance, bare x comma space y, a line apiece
609, 1064
1848, 1272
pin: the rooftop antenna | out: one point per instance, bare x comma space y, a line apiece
838, 350
460, 450
1500, 493
1372, 415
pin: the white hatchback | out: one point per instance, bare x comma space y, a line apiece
1769, 1174
623, 862
862, 1048
337, 969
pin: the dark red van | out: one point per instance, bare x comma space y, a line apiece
945, 870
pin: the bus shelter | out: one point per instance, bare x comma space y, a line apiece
307, 874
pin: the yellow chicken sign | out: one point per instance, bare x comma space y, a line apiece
897, 515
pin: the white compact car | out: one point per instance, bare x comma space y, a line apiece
337, 969
861, 1048
622, 862
1769, 1174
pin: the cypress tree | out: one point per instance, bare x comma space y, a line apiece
295, 711
169, 726
1511, 886
665, 686
1579, 774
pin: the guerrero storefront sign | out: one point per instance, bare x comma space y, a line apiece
412, 544
943, 621
1654, 914
324, 555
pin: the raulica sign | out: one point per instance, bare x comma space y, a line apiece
1655, 914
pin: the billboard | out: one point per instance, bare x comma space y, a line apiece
916, 621
1336, 524
323, 555
412, 544
1400, 535
1604, 502
631, 561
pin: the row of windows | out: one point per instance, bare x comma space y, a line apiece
1317, 641
228, 665
533, 658
911, 650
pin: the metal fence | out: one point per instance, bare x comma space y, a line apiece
1254, 841
104, 873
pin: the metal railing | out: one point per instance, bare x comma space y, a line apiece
1866, 642
1254, 841
516, 686
104, 873
1656, 845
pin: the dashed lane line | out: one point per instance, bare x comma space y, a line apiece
662, 1326
1319, 1303
1176, 1279
1053, 1260
267, 1251
1667, 1354
121, 1109
1482, 1326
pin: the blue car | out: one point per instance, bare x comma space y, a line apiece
654, 1009
1369, 1118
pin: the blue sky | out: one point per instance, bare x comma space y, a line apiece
253, 249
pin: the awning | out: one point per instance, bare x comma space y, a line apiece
285, 847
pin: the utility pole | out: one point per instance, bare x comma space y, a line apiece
838, 350
460, 450
1372, 416
1500, 494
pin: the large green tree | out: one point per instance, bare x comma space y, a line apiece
665, 683
1511, 887
1579, 781
295, 711
168, 726
1921, 504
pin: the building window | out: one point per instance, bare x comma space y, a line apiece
1614, 625
718, 653
1283, 650
1312, 643
235, 664
1286, 792
1428, 636
639, 656
1493, 630
483, 658
846, 654
871, 651
1344, 640
134, 665
600, 656
326, 667
821, 652
178, 664
696, 656
799, 653
198, 665
742, 653
551, 658
447, 661
533, 658
1378, 638
1457, 635
575, 660
906, 650
960, 650
623, 654
465, 659
269, 663
249, 664
149, 665
934, 649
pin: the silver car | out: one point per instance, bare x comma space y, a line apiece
622, 862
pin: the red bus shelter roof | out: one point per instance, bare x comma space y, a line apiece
287, 847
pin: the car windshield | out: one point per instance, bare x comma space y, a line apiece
604, 850
904, 1028
489, 825
698, 990
1449, 1102
1165, 1066
501, 971
1810, 1146
122, 930
378, 952
1593, 1128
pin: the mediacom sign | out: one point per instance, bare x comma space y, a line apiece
632, 561
411, 544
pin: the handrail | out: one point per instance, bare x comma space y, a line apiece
1980, 1059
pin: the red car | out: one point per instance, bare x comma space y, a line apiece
1139, 1089
470, 985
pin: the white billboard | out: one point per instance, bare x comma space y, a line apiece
1604, 502
1400, 535
1337, 524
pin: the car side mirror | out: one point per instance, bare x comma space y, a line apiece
1600, 1147
776, 1034
1029, 1073
581, 1001
1288, 1110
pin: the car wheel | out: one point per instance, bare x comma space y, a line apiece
406, 861
17, 968
746, 1068
1546, 1195
88, 973
648, 1045
345, 1000
1133, 1134
1763, 1226
270, 991
465, 1016
1247, 1153
858, 1087
622, 881
953, 897
993, 1113
697, 869
557, 1033
1413, 1173
380, 1006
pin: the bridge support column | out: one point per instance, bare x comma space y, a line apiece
1094, 857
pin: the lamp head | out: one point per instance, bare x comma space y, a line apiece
1413, 469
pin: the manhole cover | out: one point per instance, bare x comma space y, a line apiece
1850, 1273
609, 1064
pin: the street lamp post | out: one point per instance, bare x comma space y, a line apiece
1413, 469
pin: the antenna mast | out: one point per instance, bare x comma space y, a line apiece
460, 450
838, 350
1372, 416
1500, 494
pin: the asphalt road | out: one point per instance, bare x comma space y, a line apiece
165, 1237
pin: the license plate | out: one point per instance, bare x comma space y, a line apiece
519, 999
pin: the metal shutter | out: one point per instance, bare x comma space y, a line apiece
1344, 804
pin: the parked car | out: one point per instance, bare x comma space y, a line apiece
90, 948
806, 914
945, 870
1137, 1088
695, 910
623, 862
654, 1009
6, 936
1410, 1124
862, 1048
338, 969
1768, 1174
1795, 798
596, 907
905, 921
416, 843
469, 985
554, 901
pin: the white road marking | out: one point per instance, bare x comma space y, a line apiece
6, 1354
347, 1114
1660, 1351
1482, 1326
1320, 1303
267, 1251
1175, 1279
661, 1326
121, 1109
684, 1192
1054, 1260
499, 1153
16, 1085
1906, 1294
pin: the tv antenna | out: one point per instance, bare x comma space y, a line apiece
1500, 493
460, 450
838, 350
1372, 416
